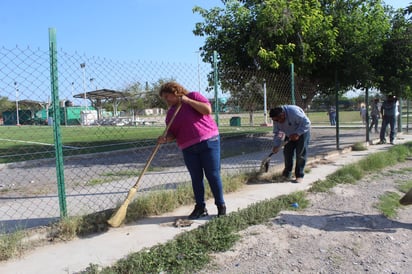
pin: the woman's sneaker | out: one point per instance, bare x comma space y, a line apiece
199, 211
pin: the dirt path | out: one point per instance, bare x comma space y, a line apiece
340, 232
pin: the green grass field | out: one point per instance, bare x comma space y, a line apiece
35, 142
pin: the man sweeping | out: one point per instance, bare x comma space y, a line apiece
292, 121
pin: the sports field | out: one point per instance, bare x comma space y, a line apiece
19, 143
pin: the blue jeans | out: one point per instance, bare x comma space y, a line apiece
299, 150
391, 121
204, 158
374, 123
332, 119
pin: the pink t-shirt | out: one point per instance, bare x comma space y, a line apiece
191, 127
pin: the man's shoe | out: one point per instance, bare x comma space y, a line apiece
221, 210
381, 142
298, 180
286, 177
199, 211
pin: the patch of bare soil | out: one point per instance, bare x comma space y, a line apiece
340, 232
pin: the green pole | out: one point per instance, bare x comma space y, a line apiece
215, 87
292, 83
56, 122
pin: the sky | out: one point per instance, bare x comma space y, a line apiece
155, 30
152, 30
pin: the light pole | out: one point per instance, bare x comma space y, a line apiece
304, 102
17, 104
91, 83
83, 66
265, 112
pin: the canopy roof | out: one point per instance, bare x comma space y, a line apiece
102, 94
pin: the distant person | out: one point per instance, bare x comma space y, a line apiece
197, 135
332, 115
293, 122
388, 113
397, 110
363, 114
375, 115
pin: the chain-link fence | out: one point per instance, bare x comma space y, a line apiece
110, 117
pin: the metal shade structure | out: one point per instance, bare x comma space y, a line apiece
98, 97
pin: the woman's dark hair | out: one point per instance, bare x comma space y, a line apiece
275, 112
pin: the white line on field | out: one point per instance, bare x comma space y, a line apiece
37, 143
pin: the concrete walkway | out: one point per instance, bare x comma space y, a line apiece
105, 249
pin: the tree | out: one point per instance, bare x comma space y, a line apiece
5, 105
152, 98
250, 97
394, 65
265, 36
321, 38
363, 26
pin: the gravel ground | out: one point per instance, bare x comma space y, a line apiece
340, 232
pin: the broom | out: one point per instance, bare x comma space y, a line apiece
117, 219
264, 165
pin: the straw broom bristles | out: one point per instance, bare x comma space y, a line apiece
117, 219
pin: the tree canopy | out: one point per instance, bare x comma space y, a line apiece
352, 39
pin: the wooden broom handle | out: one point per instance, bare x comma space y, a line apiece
156, 148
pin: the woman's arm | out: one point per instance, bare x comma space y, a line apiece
203, 108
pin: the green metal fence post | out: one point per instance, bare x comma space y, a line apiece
215, 87
56, 122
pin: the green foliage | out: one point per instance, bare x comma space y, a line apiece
320, 38
191, 251
347, 175
67, 228
5, 105
360, 146
388, 204
406, 186
351, 173
11, 245
394, 64
161, 201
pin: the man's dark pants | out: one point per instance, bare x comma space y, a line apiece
296, 150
